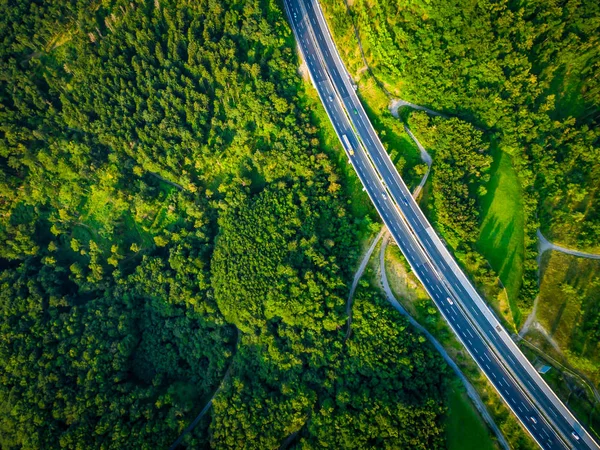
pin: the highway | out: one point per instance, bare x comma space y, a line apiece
545, 417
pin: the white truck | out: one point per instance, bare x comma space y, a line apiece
347, 144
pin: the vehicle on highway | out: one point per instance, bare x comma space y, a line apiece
347, 144
450, 300
383, 195
575, 436
533, 419
331, 98
405, 201
355, 111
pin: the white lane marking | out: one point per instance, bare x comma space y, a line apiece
458, 326
470, 334
488, 366
494, 375
487, 357
520, 409
529, 383
470, 343
475, 350
553, 413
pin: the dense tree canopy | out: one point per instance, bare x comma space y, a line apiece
161, 185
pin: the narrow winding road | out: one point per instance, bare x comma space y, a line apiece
545, 245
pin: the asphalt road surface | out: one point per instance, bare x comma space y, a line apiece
524, 391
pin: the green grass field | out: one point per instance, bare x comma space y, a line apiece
501, 238
465, 429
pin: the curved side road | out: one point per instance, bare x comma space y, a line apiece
398, 103
545, 245
471, 392
357, 277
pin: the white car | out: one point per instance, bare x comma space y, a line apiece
450, 300
383, 195
575, 436
533, 419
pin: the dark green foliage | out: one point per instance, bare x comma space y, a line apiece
96, 373
461, 163
159, 187
271, 262
390, 393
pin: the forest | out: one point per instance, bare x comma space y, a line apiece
169, 216
525, 72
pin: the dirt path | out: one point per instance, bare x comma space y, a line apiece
357, 277
545, 244
398, 103
530, 319
425, 156
471, 392
191, 426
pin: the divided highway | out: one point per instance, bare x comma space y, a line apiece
541, 412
